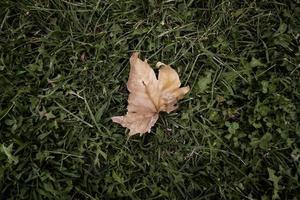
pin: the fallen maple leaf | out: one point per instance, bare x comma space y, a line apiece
149, 95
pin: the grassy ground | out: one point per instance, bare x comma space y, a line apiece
63, 69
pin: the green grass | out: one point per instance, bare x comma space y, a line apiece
63, 72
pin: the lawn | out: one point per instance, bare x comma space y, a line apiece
64, 65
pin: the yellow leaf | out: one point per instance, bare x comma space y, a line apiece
149, 95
